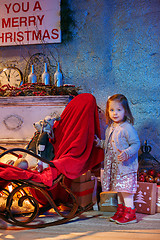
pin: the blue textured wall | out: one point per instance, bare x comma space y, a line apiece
115, 49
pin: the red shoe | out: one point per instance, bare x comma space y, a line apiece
118, 214
128, 216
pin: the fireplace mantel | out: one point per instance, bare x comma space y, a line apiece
17, 115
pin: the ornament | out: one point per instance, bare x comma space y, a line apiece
157, 180
149, 179
158, 174
144, 172
141, 178
151, 172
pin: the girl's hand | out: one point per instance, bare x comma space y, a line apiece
96, 140
122, 156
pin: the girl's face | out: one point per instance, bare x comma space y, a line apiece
116, 111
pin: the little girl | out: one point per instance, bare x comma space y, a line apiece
121, 146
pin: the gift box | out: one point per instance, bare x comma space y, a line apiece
83, 192
158, 200
145, 198
84, 177
108, 201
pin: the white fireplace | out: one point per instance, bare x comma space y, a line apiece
17, 115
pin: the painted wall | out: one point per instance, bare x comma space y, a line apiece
115, 49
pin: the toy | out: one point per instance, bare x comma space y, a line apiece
40, 145
46, 125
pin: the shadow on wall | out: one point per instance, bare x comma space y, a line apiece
150, 131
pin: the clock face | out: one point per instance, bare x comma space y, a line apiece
11, 76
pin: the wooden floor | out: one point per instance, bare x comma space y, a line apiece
93, 225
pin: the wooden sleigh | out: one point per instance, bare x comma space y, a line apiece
50, 192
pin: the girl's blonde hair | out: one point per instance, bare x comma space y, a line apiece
123, 100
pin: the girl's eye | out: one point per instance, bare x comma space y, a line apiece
119, 109
111, 110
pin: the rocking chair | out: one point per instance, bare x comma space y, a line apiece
39, 192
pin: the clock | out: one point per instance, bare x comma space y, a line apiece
11, 76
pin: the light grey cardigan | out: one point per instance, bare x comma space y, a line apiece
124, 137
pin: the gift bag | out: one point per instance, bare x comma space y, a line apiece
145, 198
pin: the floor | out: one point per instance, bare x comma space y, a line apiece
93, 225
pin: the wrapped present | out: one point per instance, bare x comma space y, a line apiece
158, 199
108, 201
84, 177
145, 198
83, 192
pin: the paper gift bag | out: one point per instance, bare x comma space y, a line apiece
145, 198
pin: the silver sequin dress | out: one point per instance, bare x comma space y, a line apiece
112, 180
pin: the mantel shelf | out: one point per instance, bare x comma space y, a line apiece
58, 100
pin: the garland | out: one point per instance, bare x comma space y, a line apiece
37, 89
